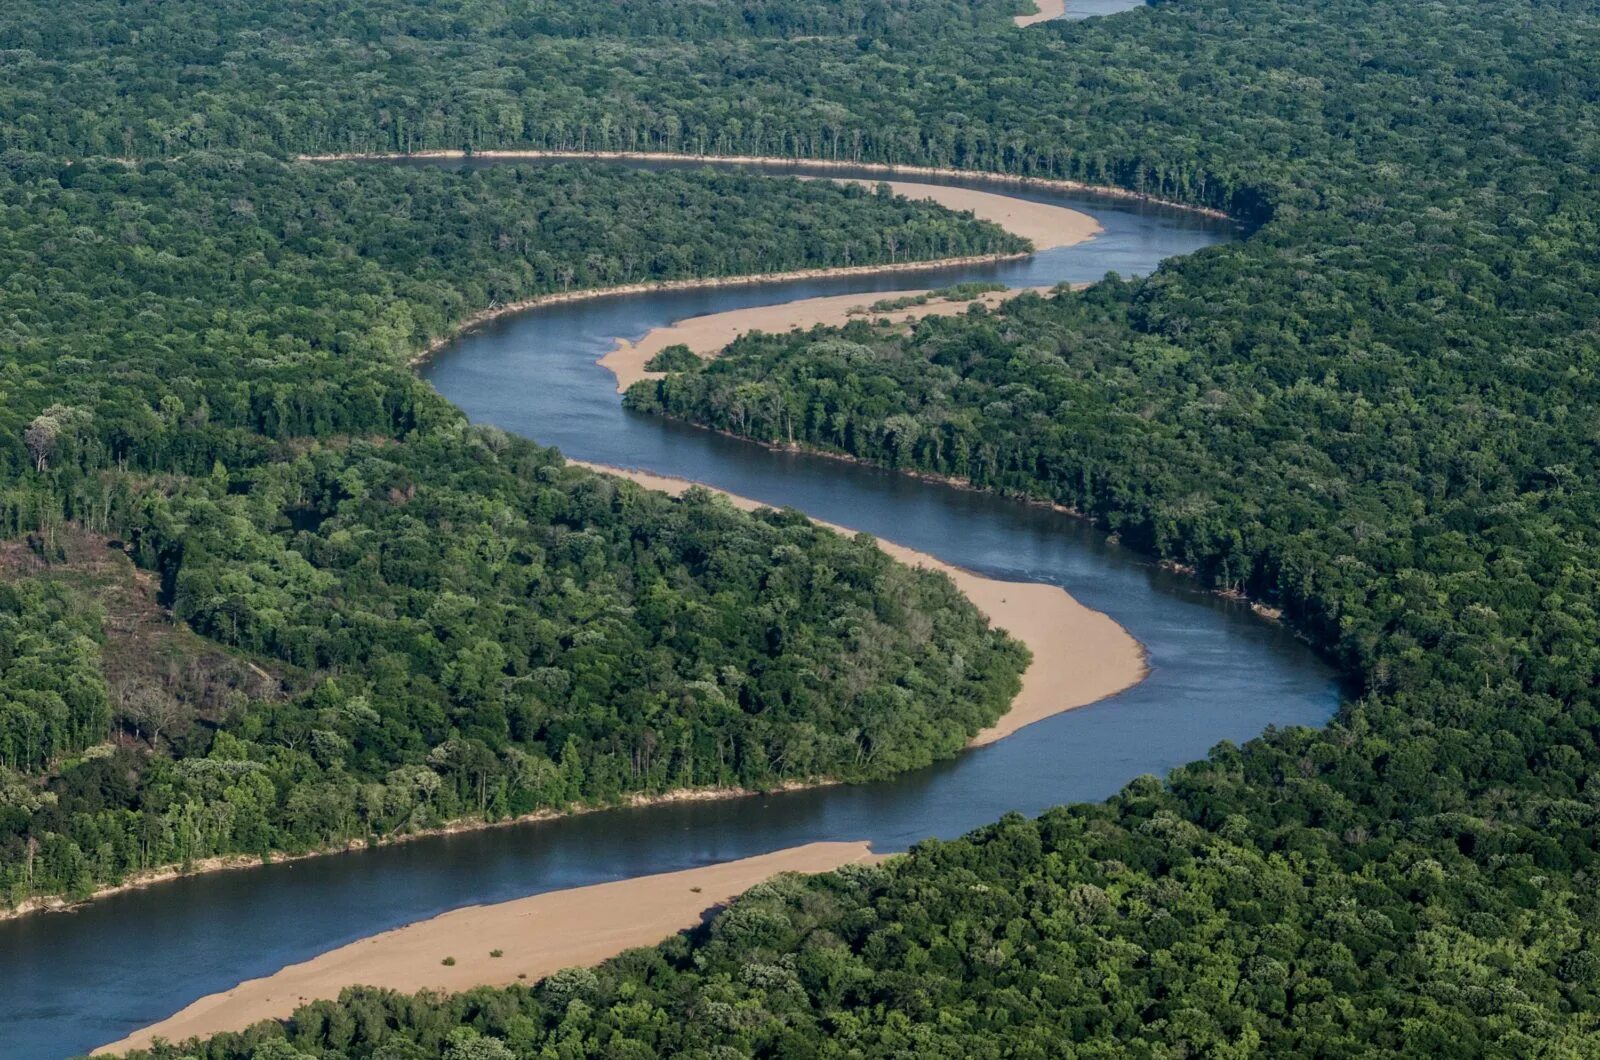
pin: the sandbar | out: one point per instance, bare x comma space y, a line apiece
1048, 9
536, 936
1045, 224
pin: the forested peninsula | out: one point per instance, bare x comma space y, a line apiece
266, 592
1374, 413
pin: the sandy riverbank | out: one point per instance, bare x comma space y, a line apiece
707, 335
1044, 224
234, 862
1080, 656
1048, 9
536, 936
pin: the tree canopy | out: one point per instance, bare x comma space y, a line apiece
1373, 414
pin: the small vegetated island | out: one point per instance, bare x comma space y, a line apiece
1371, 415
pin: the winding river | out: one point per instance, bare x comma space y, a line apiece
1217, 672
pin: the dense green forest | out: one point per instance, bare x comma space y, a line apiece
205, 369
1374, 413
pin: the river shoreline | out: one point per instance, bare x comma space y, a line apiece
485, 316
1264, 611
887, 168
235, 862
708, 335
523, 940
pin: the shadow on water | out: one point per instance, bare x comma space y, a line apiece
70, 982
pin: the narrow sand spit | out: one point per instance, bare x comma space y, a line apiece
1080, 656
536, 936
708, 335
1048, 9
1045, 224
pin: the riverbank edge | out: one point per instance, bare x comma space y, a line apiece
1024, 709
233, 862
891, 169
568, 927
485, 316
1264, 611
626, 360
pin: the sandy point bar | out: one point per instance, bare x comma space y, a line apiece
1048, 9
534, 936
1045, 224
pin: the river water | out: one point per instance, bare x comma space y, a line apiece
71, 982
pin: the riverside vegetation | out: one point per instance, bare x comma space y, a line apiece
206, 367
1370, 414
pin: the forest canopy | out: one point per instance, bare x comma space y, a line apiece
1372, 414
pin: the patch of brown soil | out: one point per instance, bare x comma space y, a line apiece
162, 676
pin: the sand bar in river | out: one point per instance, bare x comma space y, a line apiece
1048, 9
536, 936
1045, 224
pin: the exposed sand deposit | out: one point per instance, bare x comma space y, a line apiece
504, 309
1080, 656
1048, 9
708, 335
1043, 223
535, 936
